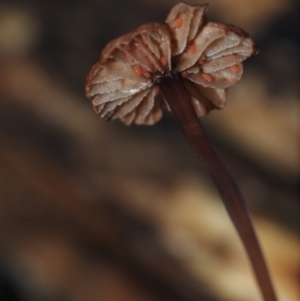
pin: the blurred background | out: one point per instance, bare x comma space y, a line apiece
99, 211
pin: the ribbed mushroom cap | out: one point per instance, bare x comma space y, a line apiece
209, 56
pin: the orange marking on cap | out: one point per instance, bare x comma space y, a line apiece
207, 77
235, 68
177, 23
163, 60
129, 58
192, 48
144, 41
145, 73
138, 70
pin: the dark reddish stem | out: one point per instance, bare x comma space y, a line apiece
178, 98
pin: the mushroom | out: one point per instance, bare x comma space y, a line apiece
188, 64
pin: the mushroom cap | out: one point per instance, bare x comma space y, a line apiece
122, 84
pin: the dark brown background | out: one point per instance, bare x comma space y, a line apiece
98, 211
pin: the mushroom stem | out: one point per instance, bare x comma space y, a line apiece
179, 100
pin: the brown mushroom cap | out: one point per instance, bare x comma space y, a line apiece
208, 55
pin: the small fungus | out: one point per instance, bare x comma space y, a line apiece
148, 53
189, 64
